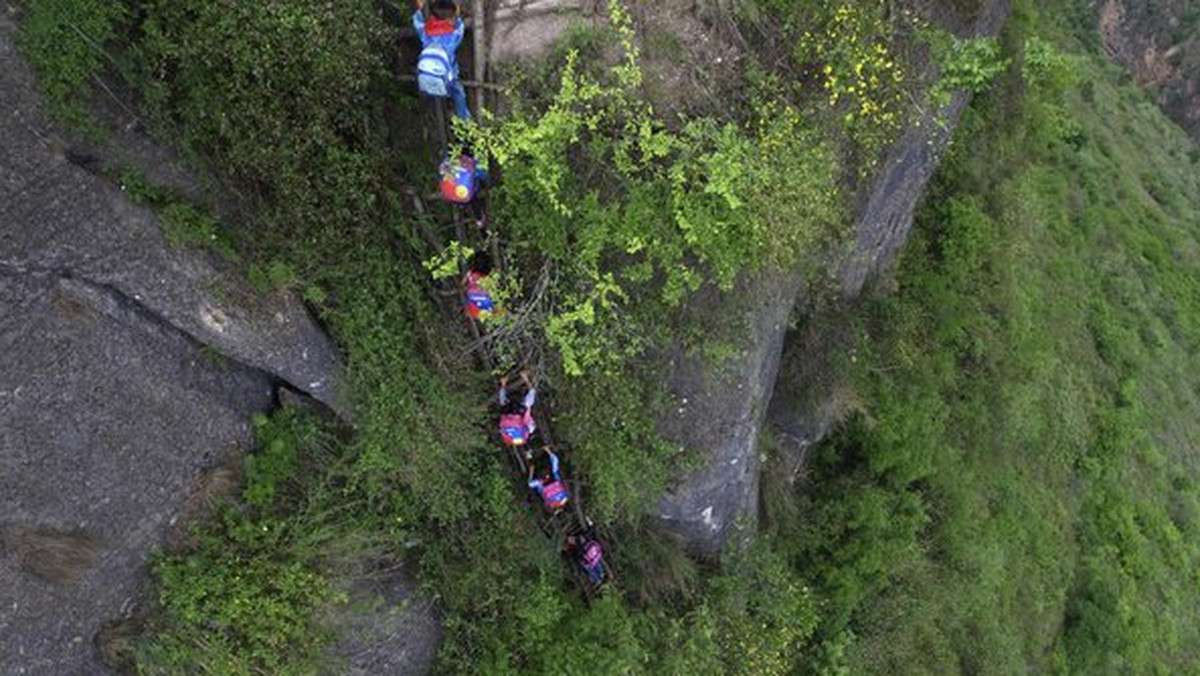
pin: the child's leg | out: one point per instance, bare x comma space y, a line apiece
459, 94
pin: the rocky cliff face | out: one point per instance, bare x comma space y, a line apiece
127, 370
719, 412
524, 28
1159, 42
727, 409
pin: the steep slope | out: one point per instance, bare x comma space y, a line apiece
725, 408
1013, 485
52, 209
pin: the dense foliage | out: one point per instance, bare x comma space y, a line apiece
1019, 491
1015, 494
63, 40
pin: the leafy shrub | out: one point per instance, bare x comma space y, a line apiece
274, 96
64, 41
275, 275
277, 459
765, 613
847, 48
186, 225
969, 65
628, 212
243, 596
232, 607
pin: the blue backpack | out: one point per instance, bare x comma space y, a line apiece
434, 72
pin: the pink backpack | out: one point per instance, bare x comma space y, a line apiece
592, 552
555, 495
513, 430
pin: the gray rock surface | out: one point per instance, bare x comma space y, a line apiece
389, 629
56, 218
704, 503
126, 369
107, 418
522, 28
718, 411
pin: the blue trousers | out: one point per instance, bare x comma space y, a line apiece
459, 95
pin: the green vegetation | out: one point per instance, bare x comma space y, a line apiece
1015, 494
630, 212
850, 48
184, 223
1020, 490
284, 102
242, 597
64, 40
969, 65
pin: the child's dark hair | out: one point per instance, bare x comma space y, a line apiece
480, 262
444, 9
514, 406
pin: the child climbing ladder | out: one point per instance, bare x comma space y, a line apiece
461, 177
441, 33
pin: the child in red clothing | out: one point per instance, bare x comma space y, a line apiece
479, 302
442, 32
516, 415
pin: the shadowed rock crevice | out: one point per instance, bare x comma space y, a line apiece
110, 301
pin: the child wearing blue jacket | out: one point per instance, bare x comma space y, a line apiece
444, 28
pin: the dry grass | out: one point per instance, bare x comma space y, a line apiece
116, 642
657, 570
60, 557
213, 488
844, 402
217, 485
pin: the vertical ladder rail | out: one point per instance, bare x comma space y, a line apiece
481, 55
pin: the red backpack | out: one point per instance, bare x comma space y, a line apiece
555, 495
479, 301
512, 429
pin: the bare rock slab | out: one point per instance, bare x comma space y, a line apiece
107, 419
526, 28
126, 370
57, 218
